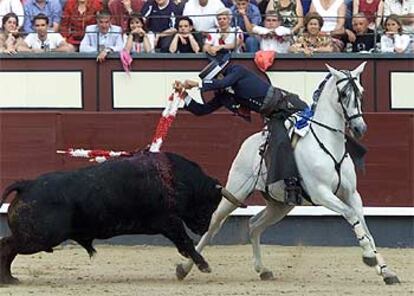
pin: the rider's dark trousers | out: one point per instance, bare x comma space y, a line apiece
277, 107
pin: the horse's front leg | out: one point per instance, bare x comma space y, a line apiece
371, 256
273, 213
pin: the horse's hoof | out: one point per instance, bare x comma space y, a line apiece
180, 272
391, 280
266, 276
370, 261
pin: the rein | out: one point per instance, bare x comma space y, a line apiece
315, 97
337, 163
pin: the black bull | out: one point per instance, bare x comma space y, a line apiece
144, 194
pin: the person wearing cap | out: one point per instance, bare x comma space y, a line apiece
237, 88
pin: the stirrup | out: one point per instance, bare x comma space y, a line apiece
293, 196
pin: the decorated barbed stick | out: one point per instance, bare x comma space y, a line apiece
97, 155
168, 116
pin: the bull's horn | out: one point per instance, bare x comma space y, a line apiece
231, 198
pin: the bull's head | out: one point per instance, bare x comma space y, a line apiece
205, 203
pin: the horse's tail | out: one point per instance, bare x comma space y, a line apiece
18, 186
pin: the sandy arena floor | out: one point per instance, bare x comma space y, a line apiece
149, 270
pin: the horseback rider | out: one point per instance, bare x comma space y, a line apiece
241, 91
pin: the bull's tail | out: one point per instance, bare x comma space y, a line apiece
18, 186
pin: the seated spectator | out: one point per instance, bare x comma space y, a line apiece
405, 11
137, 38
226, 38
333, 14
361, 36
42, 41
242, 9
291, 12
7, 6
372, 9
50, 8
10, 40
122, 9
160, 19
185, 40
102, 37
77, 15
393, 39
312, 40
273, 36
202, 12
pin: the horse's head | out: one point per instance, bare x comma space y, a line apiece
350, 97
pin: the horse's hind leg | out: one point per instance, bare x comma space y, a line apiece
371, 256
8, 252
273, 213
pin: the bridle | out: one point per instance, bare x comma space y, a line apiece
343, 95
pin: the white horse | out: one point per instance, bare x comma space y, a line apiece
328, 174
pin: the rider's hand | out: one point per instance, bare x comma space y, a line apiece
189, 84
178, 86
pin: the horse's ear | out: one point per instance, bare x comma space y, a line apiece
358, 70
333, 71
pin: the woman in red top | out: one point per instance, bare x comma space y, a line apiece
370, 8
76, 16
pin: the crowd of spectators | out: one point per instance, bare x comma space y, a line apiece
211, 26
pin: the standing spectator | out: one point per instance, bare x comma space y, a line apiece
372, 9
404, 9
313, 40
393, 39
137, 38
160, 18
77, 15
361, 37
226, 38
273, 36
122, 9
185, 40
203, 14
291, 12
7, 6
102, 37
10, 40
50, 8
242, 9
42, 41
333, 14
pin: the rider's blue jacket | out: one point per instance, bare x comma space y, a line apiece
239, 86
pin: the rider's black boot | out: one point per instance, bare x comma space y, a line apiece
293, 190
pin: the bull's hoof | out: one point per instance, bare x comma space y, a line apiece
370, 261
391, 280
204, 268
9, 280
266, 276
180, 272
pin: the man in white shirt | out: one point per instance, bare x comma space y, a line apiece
404, 9
273, 36
42, 41
15, 6
203, 13
102, 37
